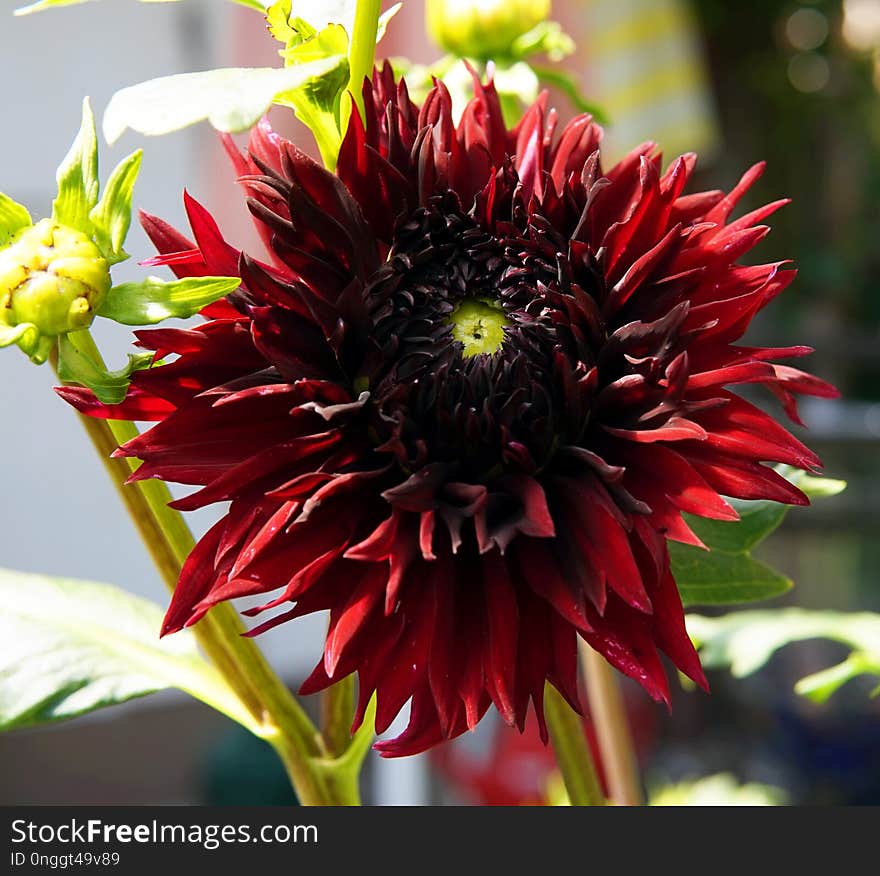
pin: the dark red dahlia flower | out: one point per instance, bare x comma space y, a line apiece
465, 404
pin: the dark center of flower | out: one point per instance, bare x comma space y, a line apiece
478, 324
466, 344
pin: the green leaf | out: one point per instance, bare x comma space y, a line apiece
153, 300
13, 217
68, 647
111, 216
231, 99
816, 487
109, 387
745, 640
278, 22
13, 334
758, 519
42, 5
726, 574
78, 178
328, 43
715, 578
29, 340
316, 101
310, 30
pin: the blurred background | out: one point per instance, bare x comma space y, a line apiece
794, 83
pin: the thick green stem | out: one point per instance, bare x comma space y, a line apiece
612, 730
362, 50
276, 715
572, 751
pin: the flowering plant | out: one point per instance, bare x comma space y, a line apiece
478, 397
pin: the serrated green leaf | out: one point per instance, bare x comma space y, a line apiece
68, 647
309, 31
78, 178
111, 216
715, 578
13, 217
278, 21
330, 42
745, 640
316, 101
153, 300
109, 387
232, 99
42, 5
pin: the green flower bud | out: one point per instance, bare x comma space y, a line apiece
483, 29
52, 278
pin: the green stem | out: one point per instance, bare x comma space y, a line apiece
276, 715
342, 773
572, 751
337, 711
612, 730
362, 50
342, 786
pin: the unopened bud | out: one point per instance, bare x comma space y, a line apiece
53, 278
483, 29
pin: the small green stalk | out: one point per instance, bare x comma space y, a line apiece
337, 711
572, 751
612, 730
362, 49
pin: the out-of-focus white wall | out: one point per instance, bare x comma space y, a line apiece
59, 513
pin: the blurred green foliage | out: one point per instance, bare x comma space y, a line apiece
822, 147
